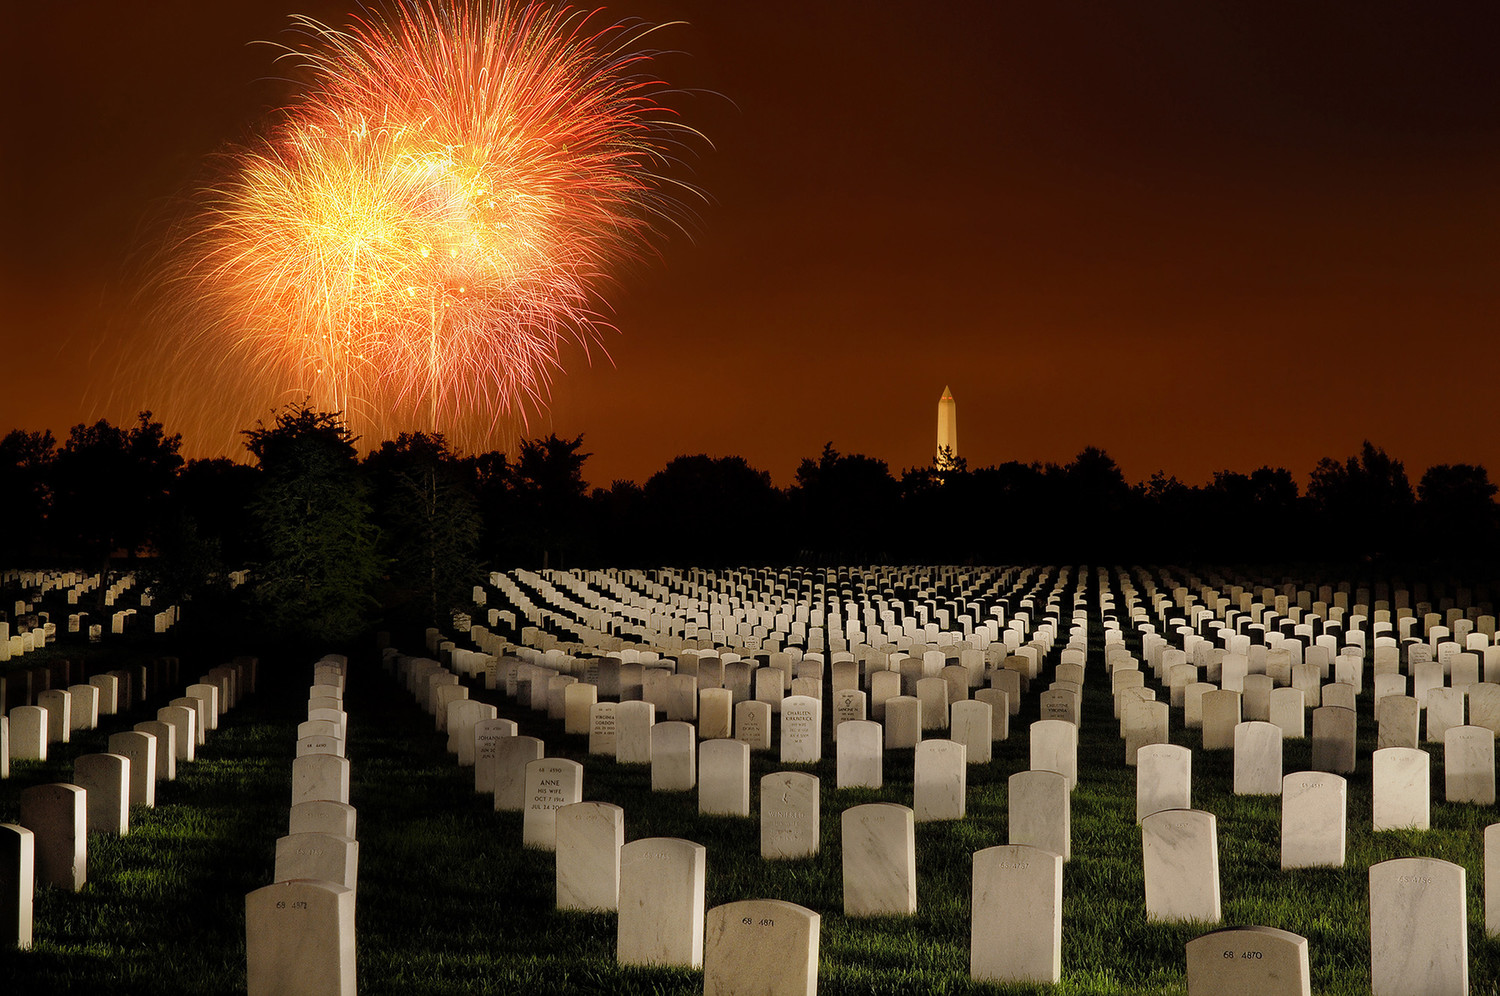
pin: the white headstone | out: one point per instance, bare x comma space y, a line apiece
322, 816
299, 940
17, 885
1419, 934
789, 815
1257, 759
763, 946
602, 736
140, 750
57, 704
512, 755
972, 724
801, 730
752, 724
1040, 811
322, 856
633, 722
1445, 709
184, 719
1469, 765
1016, 915
106, 780
903, 722
1400, 778
715, 714
1163, 779
1288, 711
1398, 718
940, 781
1314, 819
1180, 850
28, 733
1054, 747
320, 776
551, 782
589, 836
661, 902
1221, 714
860, 750
879, 860
1333, 737
57, 814
1257, 961
724, 777
1492, 880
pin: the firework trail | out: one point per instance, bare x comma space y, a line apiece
423, 228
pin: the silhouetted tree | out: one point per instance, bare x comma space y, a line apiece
429, 525
847, 507
1015, 518
490, 478
1257, 517
215, 496
1457, 512
1364, 505
320, 559
711, 511
549, 499
110, 488
937, 505
620, 523
1098, 504
25, 494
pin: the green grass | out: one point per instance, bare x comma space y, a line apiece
449, 902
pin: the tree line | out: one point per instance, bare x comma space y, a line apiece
331, 535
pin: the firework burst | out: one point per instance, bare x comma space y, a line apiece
423, 228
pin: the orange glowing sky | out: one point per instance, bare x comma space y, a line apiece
1199, 236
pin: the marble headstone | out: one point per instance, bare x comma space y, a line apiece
1248, 961
57, 814
724, 778
940, 781
879, 860
661, 916
299, 940
1039, 808
789, 815
17, 885
1401, 783
1180, 850
1314, 819
860, 751
550, 783
1016, 915
589, 836
763, 946
1419, 935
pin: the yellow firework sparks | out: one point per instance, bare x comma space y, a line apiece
423, 228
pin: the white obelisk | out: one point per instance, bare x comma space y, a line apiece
947, 431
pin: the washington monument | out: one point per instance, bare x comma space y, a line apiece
947, 431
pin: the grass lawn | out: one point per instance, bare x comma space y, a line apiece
449, 902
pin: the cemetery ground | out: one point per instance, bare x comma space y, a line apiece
450, 902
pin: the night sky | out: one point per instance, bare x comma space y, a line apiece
1201, 236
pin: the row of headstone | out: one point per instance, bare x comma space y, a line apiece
299, 930
953, 640
1257, 746
579, 605
656, 885
49, 847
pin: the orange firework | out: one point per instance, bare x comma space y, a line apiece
434, 216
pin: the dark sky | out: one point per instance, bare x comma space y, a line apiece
1198, 235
